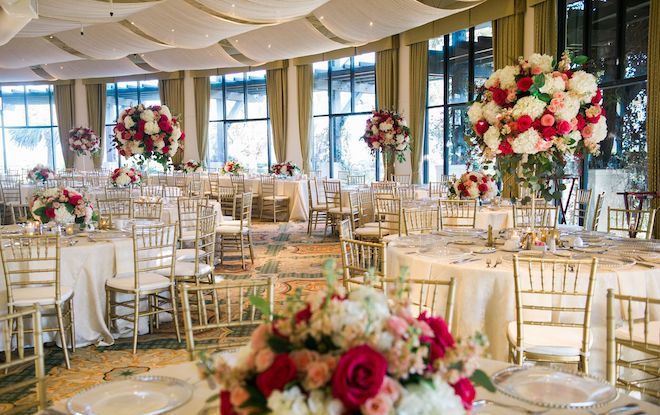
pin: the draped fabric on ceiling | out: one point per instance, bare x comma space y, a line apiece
202, 100
96, 117
507, 47
65, 104
653, 114
171, 94
419, 55
545, 27
276, 93
305, 85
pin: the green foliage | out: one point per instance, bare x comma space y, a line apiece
580, 60
479, 377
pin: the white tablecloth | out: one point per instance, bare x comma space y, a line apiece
485, 296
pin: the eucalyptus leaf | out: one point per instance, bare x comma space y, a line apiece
480, 378
580, 60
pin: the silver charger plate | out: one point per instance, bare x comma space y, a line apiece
550, 388
146, 395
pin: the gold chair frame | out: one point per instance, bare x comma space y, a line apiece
270, 200
464, 212
237, 240
359, 258
421, 220
631, 220
146, 210
546, 216
597, 211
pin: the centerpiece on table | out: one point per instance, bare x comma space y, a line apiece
190, 166
62, 205
473, 185
232, 168
148, 133
84, 141
386, 132
284, 169
40, 173
350, 353
529, 119
125, 177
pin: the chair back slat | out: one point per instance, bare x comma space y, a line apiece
421, 220
457, 213
631, 222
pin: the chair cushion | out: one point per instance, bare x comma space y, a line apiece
40, 295
278, 198
370, 225
187, 254
319, 207
623, 333
341, 210
234, 222
148, 281
187, 269
370, 232
549, 340
230, 230
188, 235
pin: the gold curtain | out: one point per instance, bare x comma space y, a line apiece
653, 108
419, 56
96, 117
202, 99
387, 79
276, 93
545, 27
305, 85
171, 94
65, 104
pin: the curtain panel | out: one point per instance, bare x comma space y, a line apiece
653, 114
545, 27
419, 56
96, 116
171, 94
202, 101
305, 79
65, 104
276, 94
387, 79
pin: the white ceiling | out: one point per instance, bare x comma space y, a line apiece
168, 35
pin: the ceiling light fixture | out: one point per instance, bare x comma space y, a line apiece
112, 8
172, 30
321, 18
371, 23
269, 46
82, 29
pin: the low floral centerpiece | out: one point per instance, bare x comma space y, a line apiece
148, 133
40, 173
84, 141
473, 185
386, 132
284, 169
530, 118
231, 167
125, 176
190, 166
350, 353
61, 205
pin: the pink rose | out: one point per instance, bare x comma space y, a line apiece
358, 376
391, 389
564, 127
318, 374
303, 358
547, 120
587, 131
397, 326
378, 405
259, 337
238, 396
263, 359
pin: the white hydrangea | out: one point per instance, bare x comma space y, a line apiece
151, 127
492, 138
526, 142
490, 112
176, 133
508, 76
320, 403
528, 105
128, 122
475, 112
288, 402
134, 147
147, 115
574, 138
493, 79
62, 215
541, 61
122, 180
599, 130
552, 84
584, 85
425, 399
164, 110
570, 109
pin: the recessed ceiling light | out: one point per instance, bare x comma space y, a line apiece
321, 18
269, 46
61, 67
142, 54
51, 36
371, 23
132, 22
206, 35
236, 41
233, 5
172, 30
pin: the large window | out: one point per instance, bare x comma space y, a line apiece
614, 34
459, 63
119, 96
238, 122
344, 96
29, 127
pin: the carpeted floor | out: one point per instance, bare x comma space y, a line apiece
282, 250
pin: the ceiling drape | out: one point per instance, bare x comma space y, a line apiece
419, 55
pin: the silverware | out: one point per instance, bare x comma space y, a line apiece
497, 262
464, 260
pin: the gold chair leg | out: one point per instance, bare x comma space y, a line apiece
136, 321
108, 313
251, 248
60, 326
175, 314
72, 329
242, 252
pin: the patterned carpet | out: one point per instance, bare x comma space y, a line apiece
282, 250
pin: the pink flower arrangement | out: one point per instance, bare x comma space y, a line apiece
386, 130
474, 184
125, 176
40, 173
231, 167
284, 169
190, 166
84, 141
148, 133
61, 205
358, 352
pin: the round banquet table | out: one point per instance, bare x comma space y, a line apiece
485, 296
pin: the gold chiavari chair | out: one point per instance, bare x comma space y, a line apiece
457, 213
146, 210
360, 258
525, 192
421, 220
638, 332
115, 208
545, 216
367, 214
195, 185
32, 276
405, 192
632, 222
152, 191
345, 229
154, 254
235, 236
553, 309
173, 192
425, 295
383, 187
270, 200
579, 214
118, 193
389, 217
224, 306
401, 178
187, 220
317, 211
180, 180
342, 175
20, 213
238, 181
37, 400
10, 191
336, 206
213, 181
597, 209
359, 180
438, 189
226, 195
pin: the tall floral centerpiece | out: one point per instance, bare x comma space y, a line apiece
190, 166
148, 133
231, 167
84, 141
351, 353
40, 173
61, 205
287, 168
386, 132
473, 185
125, 177
530, 118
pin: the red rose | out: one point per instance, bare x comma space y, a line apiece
460, 187
536, 124
595, 100
276, 377
50, 212
563, 127
481, 127
581, 123
549, 132
304, 315
483, 188
474, 178
140, 124
166, 150
225, 404
465, 193
442, 338
139, 135
525, 83
505, 148
75, 199
593, 120
465, 390
183, 136
499, 96
120, 126
569, 74
358, 376
524, 123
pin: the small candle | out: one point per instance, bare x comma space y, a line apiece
104, 223
30, 228
69, 229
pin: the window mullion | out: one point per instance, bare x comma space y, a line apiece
471, 41
4, 144
445, 107
52, 131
